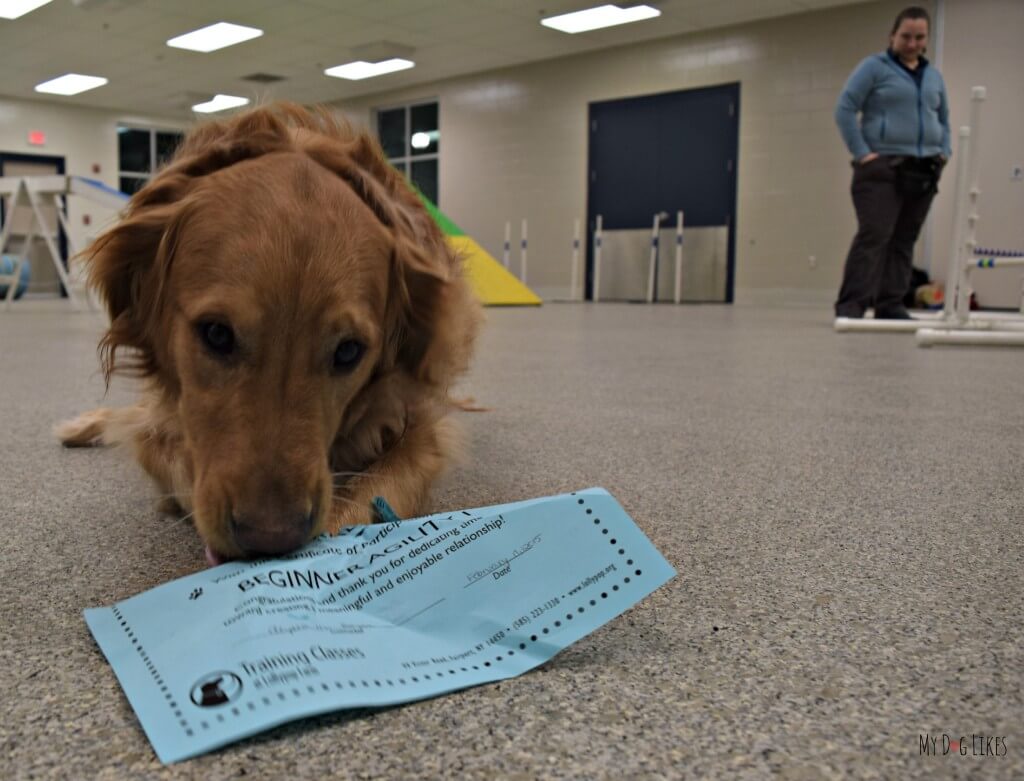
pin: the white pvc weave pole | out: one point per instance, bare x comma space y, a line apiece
652, 263
574, 285
679, 257
522, 254
597, 258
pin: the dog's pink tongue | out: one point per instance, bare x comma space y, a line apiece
213, 557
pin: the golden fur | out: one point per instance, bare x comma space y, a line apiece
292, 231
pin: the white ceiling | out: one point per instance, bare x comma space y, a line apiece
124, 41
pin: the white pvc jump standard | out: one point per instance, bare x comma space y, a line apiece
508, 243
852, 324
927, 337
597, 257
959, 325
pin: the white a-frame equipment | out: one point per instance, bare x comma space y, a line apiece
37, 192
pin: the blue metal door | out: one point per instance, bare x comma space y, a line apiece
664, 153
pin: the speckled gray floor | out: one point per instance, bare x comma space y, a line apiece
845, 513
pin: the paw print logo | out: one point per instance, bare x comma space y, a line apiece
196, 594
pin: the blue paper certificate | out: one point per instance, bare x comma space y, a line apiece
374, 616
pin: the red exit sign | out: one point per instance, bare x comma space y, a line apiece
36, 137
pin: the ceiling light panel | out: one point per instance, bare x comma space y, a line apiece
12, 9
354, 71
220, 103
599, 17
70, 84
214, 37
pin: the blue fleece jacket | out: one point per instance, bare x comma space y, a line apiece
897, 117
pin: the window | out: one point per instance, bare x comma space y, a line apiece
141, 151
411, 139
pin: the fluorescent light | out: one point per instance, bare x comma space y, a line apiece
365, 70
70, 84
215, 36
596, 18
12, 9
220, 103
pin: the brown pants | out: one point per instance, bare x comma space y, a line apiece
878, 266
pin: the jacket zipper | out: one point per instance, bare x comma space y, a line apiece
920, 112
920, 115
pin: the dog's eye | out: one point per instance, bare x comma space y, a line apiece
217, 337
347, 355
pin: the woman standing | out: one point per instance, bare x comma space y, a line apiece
899, 146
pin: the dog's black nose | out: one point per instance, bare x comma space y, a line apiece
263, 534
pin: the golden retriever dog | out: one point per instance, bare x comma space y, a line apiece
297, 319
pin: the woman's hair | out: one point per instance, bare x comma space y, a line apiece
913, 12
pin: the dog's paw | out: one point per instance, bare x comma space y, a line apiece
349, 513
468, 404
84, 431
168, 505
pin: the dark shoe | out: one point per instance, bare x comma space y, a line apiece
847, 310
893, 313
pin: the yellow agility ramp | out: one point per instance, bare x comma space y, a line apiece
491, 281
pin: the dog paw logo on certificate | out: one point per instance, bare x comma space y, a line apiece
217, 688
196, 593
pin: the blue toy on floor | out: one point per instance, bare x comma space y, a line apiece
7, 264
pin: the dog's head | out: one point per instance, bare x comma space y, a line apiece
267, 283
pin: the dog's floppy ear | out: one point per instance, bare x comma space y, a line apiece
128, 265
423, 265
